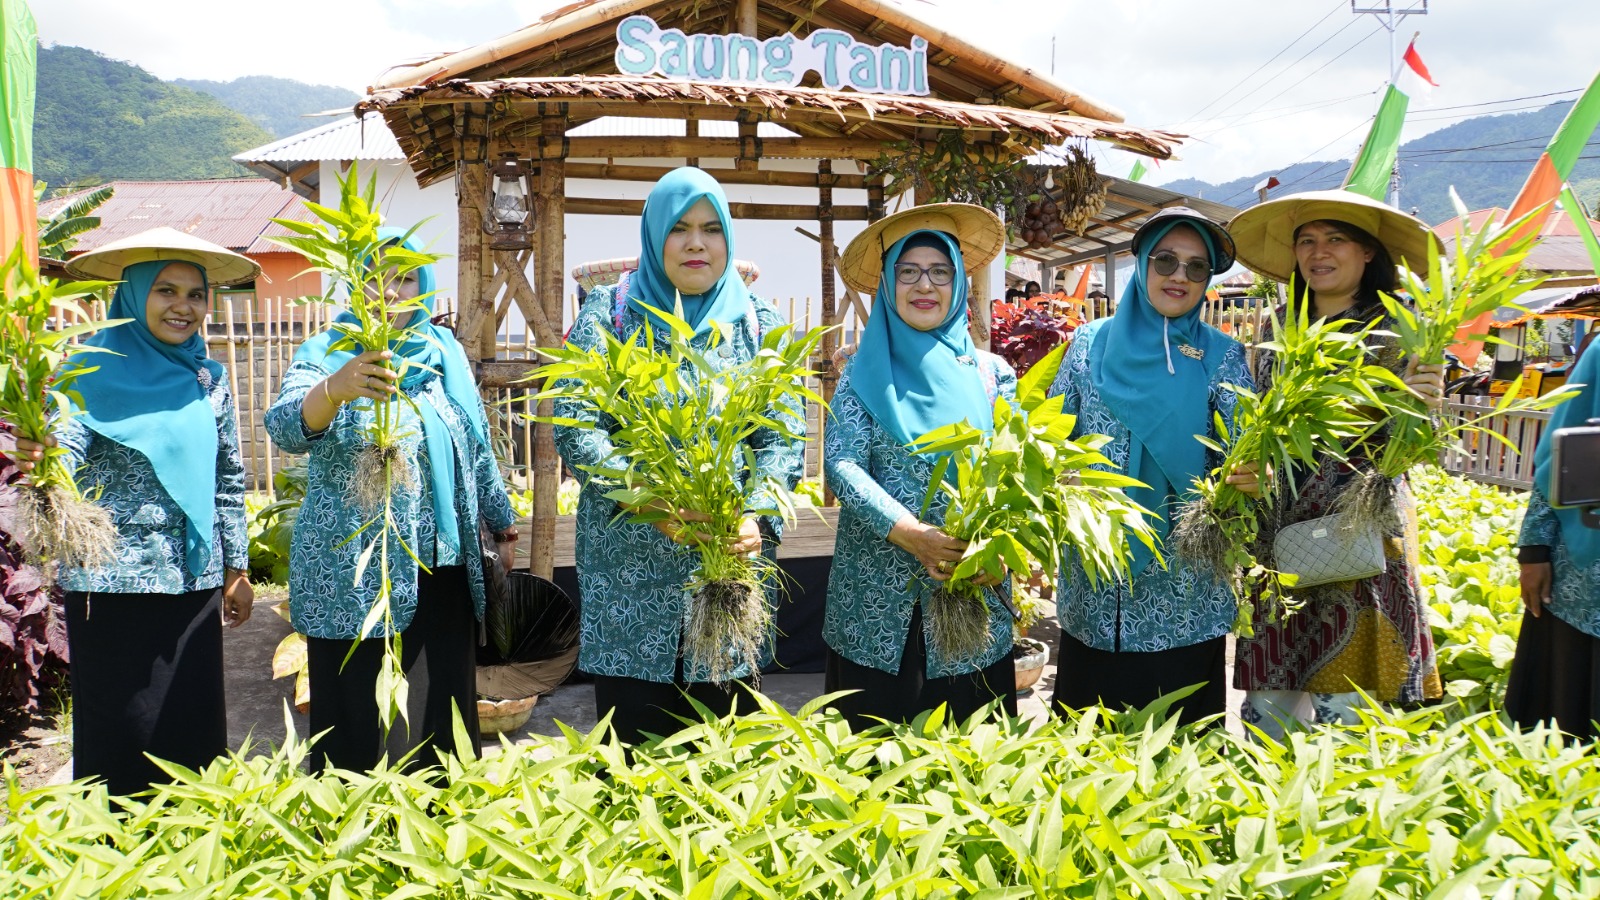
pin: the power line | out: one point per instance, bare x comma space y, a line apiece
1285, 70
1330, 62
1492, 112
1195, 116
1507, 100
1358, 125
1278, 114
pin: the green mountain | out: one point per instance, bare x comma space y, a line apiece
1486, 158
98, 119
277, 104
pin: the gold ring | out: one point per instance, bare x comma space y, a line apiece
944, 565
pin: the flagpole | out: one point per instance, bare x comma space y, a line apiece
1385, 15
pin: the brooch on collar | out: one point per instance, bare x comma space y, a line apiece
966, 360
1191, 351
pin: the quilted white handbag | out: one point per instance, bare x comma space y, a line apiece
1323, 551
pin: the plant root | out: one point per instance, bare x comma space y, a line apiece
378, 472
1198, 537
729, 621
57, 525
958, 621
1368, 501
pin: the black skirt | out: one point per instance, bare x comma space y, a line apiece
1086, 677
438, 656
146, 678
1555, 676
641, 710
902, 696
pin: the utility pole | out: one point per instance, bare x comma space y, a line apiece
1390, 18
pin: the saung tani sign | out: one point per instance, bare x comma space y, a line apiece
645, 48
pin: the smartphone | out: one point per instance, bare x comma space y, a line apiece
1575, 467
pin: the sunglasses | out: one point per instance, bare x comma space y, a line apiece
1166, 263
938, 274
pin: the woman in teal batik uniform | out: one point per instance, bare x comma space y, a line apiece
631, 577
916, 369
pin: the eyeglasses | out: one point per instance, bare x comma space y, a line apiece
1167, 263
938, 274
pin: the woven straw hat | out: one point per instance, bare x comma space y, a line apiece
978, 231
223, 266
1264, 234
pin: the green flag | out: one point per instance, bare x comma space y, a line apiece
1569, 202
19, 40
1374, 165
1138, 170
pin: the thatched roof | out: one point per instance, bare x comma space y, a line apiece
423, 114
565, 61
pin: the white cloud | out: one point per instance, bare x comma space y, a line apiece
1159, 61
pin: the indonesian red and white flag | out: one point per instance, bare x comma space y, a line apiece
1413, 78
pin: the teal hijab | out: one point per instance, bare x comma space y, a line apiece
437, 354
1583, 542
915, 381
148, 395
728, 301
1160, 394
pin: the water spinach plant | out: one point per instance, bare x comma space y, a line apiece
1325, 395
56, 523
1483, 275
362, 262
1022, 497
683, 421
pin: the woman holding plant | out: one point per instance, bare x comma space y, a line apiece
1556, 672
1337, 250
915, 370
1153, 376
152, 439
440, 481
646, 588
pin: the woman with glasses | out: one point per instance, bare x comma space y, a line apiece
1152, 377
1337, 250
916, 369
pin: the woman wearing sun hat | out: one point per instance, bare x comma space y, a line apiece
916, 369
157, 446
1339, 250
1152, 377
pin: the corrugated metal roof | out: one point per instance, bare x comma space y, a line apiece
347, 138
636, 126
234, 213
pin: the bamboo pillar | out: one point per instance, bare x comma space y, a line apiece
978, 307
830, 309
548, 279
747, 18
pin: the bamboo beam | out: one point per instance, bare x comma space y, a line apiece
609, 172
747, 17
716, 148
778, 212
549, 272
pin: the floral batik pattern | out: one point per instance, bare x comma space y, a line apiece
630, 576
1574, 586
874, 585
151, 527
1160, 608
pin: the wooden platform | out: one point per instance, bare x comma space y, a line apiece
808, 536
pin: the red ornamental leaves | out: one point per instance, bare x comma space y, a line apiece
33, 632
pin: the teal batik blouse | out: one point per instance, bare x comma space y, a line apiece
150, 556
630, 576
874, 585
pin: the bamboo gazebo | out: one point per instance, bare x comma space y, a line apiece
510, 105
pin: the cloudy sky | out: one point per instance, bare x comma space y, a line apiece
1259, 83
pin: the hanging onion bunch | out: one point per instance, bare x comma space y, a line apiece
680, 444
1325, 396
38, 365
1021, 497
